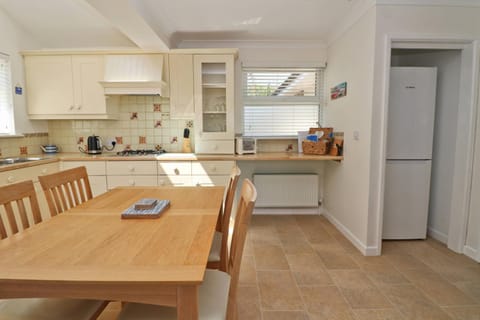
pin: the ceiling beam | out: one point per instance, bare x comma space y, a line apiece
124, 17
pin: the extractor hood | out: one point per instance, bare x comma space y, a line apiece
135, 74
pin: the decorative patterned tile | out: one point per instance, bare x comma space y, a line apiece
157, 107
142, 140
23, 150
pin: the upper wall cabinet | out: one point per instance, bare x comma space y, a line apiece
67, 87
181, 86
214, 103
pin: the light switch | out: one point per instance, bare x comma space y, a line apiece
356, 135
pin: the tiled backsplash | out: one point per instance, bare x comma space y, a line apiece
144, 123
28, 144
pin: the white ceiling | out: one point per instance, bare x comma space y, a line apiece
76, 23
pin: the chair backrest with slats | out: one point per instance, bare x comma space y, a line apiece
227, 211
66, 189
13, 198
246, 203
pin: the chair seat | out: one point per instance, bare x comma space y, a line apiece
49, 309
212, 301
216, 248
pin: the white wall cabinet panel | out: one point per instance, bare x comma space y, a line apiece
132, 168
181, 86
67, 87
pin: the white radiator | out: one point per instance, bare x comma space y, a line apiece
286, 190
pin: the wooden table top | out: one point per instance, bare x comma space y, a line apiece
92, 244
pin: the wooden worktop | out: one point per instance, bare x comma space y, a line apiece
265, 156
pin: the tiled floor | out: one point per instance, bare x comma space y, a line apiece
302, 268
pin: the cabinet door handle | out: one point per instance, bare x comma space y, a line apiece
131, 168
162, 182
72, 107
131, 182
44, 171
79, 107
177, 172
10, 179
214, 169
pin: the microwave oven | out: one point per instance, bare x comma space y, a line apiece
245, 145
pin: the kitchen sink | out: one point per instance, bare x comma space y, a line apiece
6, 161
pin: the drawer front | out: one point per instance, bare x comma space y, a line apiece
207, 181
94, 168
132, 168
214, 146
177, 181
212, 167
30, 173
180, 168
130, 181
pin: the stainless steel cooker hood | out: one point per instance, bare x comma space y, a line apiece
136, 74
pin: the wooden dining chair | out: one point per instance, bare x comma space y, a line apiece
218, 292
66, 189
22, 199
217, 259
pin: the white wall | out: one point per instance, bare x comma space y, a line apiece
414, 22
448, 64
12, 40
351, 59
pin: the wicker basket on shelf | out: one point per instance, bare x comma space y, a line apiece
320, 147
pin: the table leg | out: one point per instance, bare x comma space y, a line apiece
187, 303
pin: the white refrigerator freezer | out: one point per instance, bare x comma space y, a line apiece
411, 116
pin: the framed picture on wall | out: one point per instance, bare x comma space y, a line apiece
338, 91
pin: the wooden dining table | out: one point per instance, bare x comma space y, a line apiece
90, 252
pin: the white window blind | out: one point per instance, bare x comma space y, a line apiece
281, 101
6, 106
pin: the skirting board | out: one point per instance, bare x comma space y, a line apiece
286, 211
471, 253
366, 251
437, 235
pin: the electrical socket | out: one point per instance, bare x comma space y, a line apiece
109, 142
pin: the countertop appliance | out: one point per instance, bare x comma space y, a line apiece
245, 145
411, 115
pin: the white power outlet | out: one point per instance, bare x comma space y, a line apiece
109, 142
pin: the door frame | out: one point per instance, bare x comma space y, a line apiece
466, 124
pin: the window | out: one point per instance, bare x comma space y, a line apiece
6, 106
281, 101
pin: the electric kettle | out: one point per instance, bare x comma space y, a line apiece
94, 145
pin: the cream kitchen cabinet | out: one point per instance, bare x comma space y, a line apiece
181, 86
175, 173
214, 103
211, 173
96, 174
67, 87
131, 173
31, 173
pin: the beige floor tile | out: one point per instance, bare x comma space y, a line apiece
325, 303
459, 258
269, 257
436, 288
278, 291
335, 259
358, 289
308, 270
404, 261
296, 245
377, 314
380, 270
248, 274
470, 288
463, 313
413, 304
285, 315
248, 303
459, 273
264, 235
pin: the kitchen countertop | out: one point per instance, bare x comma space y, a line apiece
265, 156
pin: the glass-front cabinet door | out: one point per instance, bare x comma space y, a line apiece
214, 97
